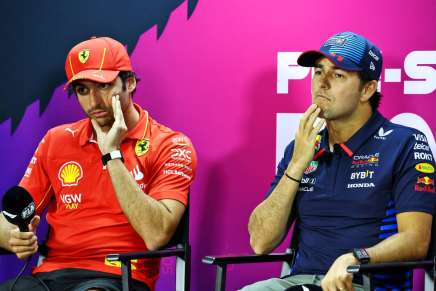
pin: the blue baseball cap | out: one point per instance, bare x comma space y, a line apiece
348, 51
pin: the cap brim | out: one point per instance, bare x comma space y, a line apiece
100, 76
309, 58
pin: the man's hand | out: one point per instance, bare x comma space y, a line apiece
111, 140
24, 244
305, 139
337, 278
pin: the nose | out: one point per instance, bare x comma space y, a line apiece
324, 82
95, 98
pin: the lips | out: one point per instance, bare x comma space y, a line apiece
322, 96
99, 113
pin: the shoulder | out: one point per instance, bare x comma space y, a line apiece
66, 133
400, 134
165, 136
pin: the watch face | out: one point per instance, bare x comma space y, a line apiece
361, 255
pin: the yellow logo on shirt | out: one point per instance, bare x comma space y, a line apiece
425, 168
70, 173
142, 146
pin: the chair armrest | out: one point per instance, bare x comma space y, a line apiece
146, 255
370, 268
247, 259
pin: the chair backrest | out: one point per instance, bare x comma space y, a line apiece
180, 239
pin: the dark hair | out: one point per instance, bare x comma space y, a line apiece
124, 75
374, 100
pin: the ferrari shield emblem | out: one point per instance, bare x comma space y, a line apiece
84, 55
142, 146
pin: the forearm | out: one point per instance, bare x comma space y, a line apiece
147, 216
268, 222
402, 246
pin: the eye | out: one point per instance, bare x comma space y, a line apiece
104, 86
338, 76
318, 71
81, 90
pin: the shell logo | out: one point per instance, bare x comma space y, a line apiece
70, 173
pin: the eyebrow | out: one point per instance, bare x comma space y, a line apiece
321, 66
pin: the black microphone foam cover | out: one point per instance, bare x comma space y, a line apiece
18, 207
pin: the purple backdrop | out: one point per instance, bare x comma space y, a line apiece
214, 77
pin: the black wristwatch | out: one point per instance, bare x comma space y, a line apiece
112, 155
361, 255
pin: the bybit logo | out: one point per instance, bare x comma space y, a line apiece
418, 66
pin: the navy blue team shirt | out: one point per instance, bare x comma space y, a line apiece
348, 198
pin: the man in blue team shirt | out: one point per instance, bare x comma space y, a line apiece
362, 189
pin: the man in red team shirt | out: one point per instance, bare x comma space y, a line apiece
116, 181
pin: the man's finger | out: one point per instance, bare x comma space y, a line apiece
120, 116
119, 111
341, 286
306, 115
23, 256
317, 128
17, 234
23, 242
25, 249
33, 225
96, 127
310, 122
349, 283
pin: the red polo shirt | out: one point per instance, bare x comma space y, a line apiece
86, 221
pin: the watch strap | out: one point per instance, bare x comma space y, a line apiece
111, 156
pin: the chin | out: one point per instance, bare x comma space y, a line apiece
104, 122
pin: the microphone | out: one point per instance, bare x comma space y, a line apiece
18, 207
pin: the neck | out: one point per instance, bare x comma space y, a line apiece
341, 130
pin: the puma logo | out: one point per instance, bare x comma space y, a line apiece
72, 131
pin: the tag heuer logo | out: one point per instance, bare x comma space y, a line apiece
84, 55
312, 167
382, 134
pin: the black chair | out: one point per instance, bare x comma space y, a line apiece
221, 262
178, 246
367, 271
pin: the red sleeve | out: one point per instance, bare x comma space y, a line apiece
35, 179
174, 169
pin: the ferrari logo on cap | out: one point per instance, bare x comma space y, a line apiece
142, 146
84, 55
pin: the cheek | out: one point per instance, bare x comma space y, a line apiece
82, 102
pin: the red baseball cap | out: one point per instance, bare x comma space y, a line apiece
99, 59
